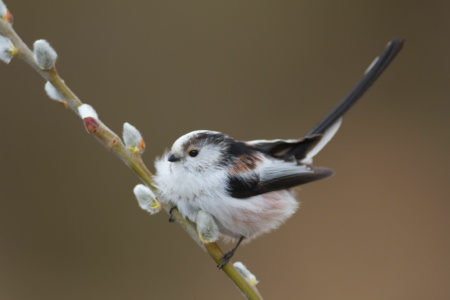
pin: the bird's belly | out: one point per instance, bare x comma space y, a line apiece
253, 216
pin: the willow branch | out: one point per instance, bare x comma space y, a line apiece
113, 143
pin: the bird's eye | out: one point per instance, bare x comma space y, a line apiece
193, 152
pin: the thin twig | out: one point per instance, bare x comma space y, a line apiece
112, 142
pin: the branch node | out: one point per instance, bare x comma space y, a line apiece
113, 142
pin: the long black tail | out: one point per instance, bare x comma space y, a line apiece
371, 74
300, 150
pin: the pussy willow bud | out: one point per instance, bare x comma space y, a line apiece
7, 49
90, 118
54, 94
206, 227
44, 55
5, 14
146, 199
246, 273
133, 139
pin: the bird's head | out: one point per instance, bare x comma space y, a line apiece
200, 150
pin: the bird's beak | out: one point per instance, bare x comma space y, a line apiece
173, 158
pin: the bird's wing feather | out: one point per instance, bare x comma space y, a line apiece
302, 150
279, 147
273, 176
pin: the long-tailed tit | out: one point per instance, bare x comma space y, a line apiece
247, 186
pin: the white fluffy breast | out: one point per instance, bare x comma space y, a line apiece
188, 188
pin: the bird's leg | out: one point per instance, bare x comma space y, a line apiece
171, 219
227, 256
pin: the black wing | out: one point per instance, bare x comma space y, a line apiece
282, 175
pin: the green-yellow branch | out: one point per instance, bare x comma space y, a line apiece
134, 160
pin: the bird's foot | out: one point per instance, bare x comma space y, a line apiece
226, 258
171, 218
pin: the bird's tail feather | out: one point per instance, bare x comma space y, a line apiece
329, 125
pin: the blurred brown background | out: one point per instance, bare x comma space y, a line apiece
70, 227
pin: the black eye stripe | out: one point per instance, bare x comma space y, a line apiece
193, 153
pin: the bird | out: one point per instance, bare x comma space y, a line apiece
247, 186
